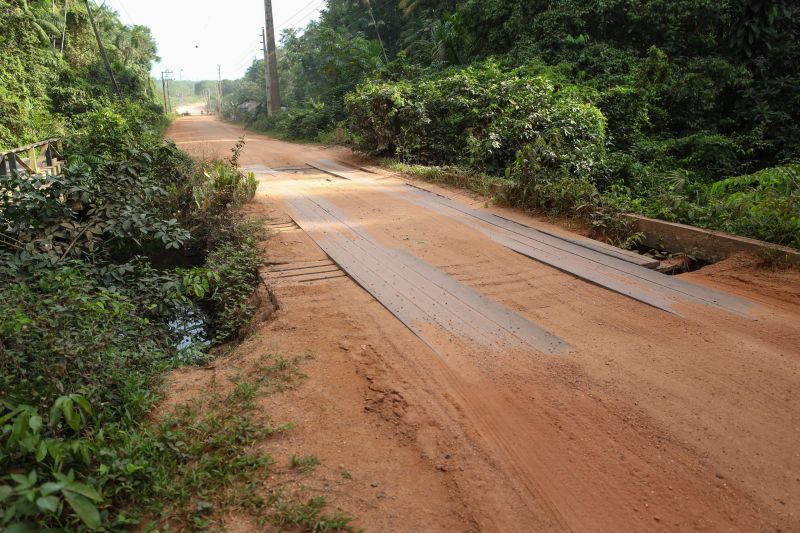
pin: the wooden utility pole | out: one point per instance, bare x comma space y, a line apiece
164, 93
219, 90
274, 100
165, 79
266, 70
102, 50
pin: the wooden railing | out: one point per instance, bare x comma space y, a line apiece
42, 157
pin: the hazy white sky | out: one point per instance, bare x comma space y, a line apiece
198, 35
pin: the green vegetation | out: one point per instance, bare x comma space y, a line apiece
133, 261
686, 111
47, 83
183, 92
305, 464
202, 460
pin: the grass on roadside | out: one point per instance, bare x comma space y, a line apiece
206, 461
480, 183
303, 463
559, 198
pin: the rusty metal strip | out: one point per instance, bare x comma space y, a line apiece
592, 272
511, 321
335, 169
591, 244
408, 287
420, 273
594, 263
609, 266
310, 277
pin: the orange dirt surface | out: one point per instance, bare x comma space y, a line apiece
652, 422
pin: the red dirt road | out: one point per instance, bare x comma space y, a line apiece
652, 422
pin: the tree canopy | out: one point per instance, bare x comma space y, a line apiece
691, 92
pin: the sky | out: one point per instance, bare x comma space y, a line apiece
194, 36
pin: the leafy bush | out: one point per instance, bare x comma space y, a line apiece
314, 121
688, 93
97, 343
112, 211
482, 112
235, 264
100, 269
89, 318
764, 205
223, 188
76, 359
541, 183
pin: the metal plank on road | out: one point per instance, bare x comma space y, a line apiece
494, 319
610, 272
414, 291
510, 320
616, 270
371, 258
336, 169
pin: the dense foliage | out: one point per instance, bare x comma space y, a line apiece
52, 72
691, 93
108, 273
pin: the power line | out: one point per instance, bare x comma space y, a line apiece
349, 27
300, 16
127, 14
246, 60
291, 20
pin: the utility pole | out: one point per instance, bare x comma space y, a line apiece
219, 90
102, 50
266, 70
274, 100
169, 92
165, 79
164, 92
